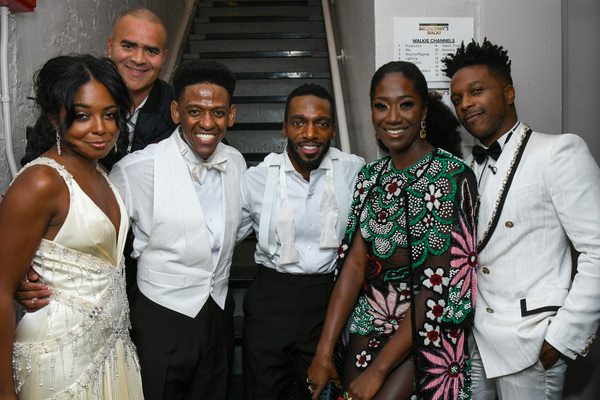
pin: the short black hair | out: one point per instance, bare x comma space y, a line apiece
193, 72
494, 57
310, 89
442, 126
57, 82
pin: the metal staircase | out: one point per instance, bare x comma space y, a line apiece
272, 46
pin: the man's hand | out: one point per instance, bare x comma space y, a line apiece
549, 355
32, 295
320, 373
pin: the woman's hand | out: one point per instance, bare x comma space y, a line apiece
321, 372
366, 386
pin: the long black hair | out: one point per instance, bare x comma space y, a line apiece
442, 126
56, 85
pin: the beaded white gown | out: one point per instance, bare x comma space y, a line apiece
79, 345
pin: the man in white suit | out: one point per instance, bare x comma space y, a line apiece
538, 193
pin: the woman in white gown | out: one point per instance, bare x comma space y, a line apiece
62, 216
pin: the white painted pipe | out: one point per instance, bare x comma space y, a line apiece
342, 125
5, 93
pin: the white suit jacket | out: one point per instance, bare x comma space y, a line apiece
525, 293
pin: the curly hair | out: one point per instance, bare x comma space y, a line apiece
442, 126
494, 57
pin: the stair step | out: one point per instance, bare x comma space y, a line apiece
261, 112
258, 18
246, 3
258, 141
273, 87
260, 27
198, 45
274, 75
253, 65
262, 54
242, 276
255, 3
259, 35
257, 126
250, 10
238, 324
258, 99
253, 159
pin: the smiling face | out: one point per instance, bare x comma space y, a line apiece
397, 112
483, 102
204, 113
94, 130
137, 47
309, 130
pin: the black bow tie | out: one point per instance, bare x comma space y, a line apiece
481, 153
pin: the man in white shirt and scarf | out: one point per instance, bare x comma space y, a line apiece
298, 203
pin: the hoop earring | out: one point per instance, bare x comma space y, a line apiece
423, 133
58, 143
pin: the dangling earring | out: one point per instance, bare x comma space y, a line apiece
115, 147
58, 143
423, 134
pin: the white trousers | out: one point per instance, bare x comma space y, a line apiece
533, 383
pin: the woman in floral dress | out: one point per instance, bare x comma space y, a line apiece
407, 279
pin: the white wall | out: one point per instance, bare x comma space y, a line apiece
69, 26
354, 21
581, 72
581, 104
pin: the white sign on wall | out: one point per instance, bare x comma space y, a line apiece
425, 41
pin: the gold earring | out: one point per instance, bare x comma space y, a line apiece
423, 133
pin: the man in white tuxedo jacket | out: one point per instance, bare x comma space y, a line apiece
538, 194
183, 198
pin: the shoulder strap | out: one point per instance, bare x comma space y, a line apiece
266, 232
62, 171
341, 190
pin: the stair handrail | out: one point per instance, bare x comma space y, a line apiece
338, 95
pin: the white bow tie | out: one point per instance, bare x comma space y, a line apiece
199, 170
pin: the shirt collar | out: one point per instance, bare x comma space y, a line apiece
506, 137
190, 156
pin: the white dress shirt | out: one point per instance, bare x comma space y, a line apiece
488, 167
137, 190
304, 198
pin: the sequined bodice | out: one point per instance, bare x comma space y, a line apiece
62, 350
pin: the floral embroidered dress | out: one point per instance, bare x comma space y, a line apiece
441, 193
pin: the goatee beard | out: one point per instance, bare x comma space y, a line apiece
308, 164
